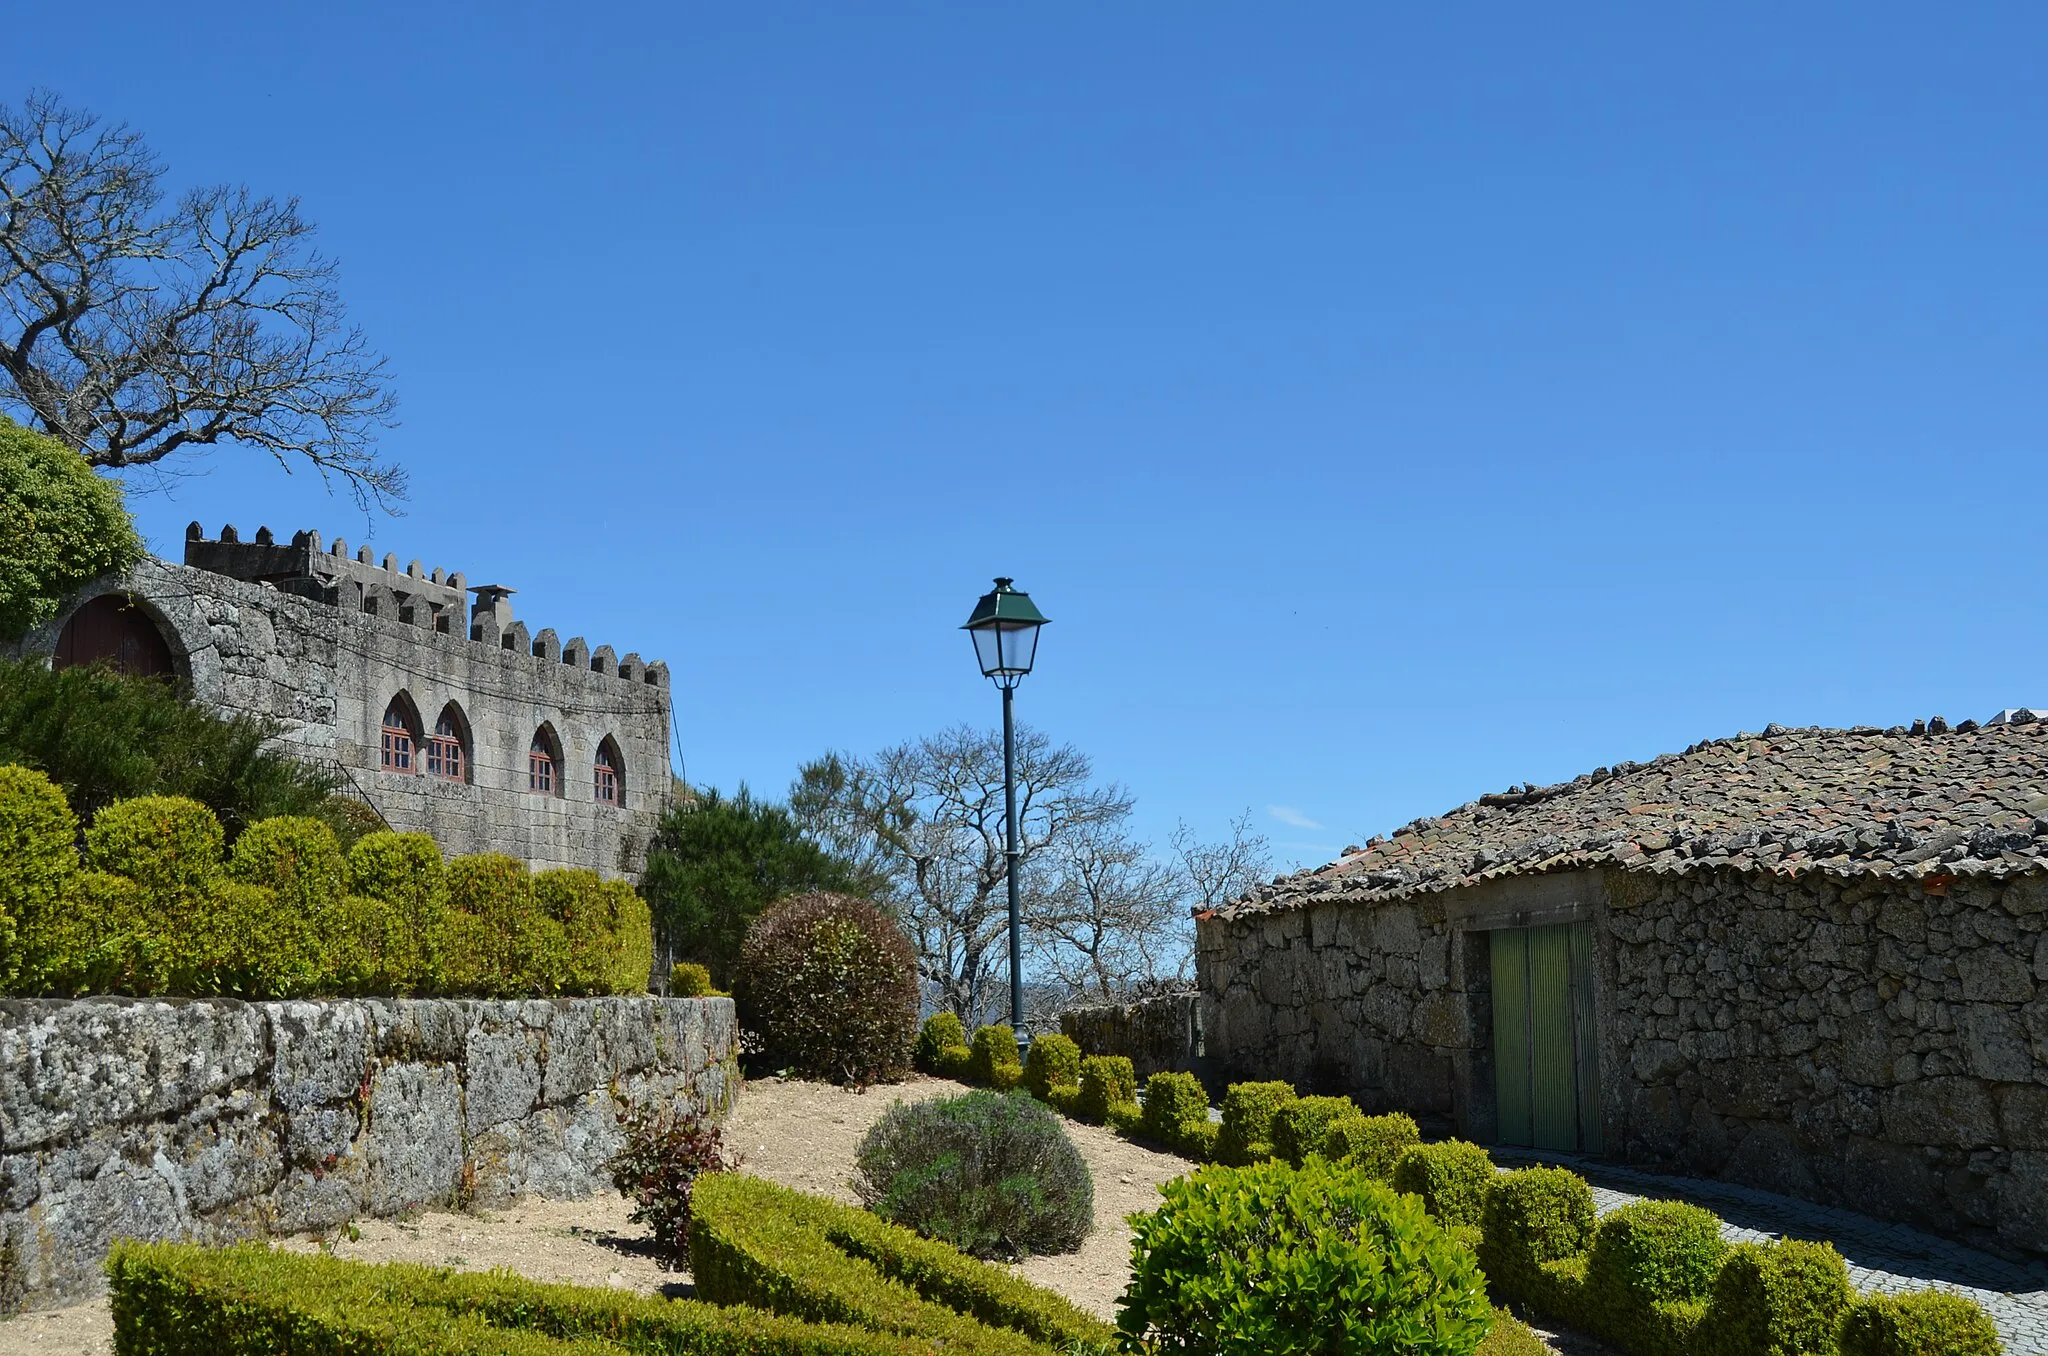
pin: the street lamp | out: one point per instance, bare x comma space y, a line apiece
1005, 630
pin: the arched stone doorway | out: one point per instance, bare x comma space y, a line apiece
114, 630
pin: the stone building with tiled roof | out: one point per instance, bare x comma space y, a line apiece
1810, 960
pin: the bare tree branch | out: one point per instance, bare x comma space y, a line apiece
133, 334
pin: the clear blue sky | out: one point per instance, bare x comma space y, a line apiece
1386, 407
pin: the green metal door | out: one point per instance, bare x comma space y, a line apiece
1545, 1074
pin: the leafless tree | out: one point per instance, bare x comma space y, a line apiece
132, 332
1107, 917
1214, 874
927, 816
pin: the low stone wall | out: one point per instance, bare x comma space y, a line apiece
219, 1120
1158, 1034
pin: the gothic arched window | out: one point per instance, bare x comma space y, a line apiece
544, 763
610, 782
445, 756
401, 737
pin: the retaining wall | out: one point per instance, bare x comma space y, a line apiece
1161, 1034
219, 1120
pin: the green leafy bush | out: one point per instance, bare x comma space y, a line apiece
368, 948
1125, 1118
1107, 1081
1787, 1298
630, 922
499, 941
828, 984
994, 1048
1311, 1259
39, 847
1511, 1337
296, 858
664, 1150
607, 943
1298, 1126
1451, 1177
941, 1032
1062, 1097
1248, 1111
1372, 1144
993, 1174
168, 845
1538, 1224
1054, 1061
103, 737
957, 1062
1925, 1323
1176, 1111
101, 936
236, 939
61, 527
754, 1242
687, 979
184, 1299
1649, 1273
405, 939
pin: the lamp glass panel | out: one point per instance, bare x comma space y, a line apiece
986, 649
1020, 645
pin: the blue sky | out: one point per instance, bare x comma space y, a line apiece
1386, 405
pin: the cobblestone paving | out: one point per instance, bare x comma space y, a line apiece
1883, 1258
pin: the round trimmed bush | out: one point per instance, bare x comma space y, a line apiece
575, 899
993, 1058
296, 857
237, 940
1451, 1177
828, 985
168, 845
100, 936
1248, 1111
1298, 1127
1107, 1082
404, 871
941, 1032
39, 844
1372, 1144
991, 1173
1924, 1323
1054, 1062
632, 939
1311, 1259
500, 941
1782, 1299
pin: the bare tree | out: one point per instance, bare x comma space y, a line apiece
132, 333
1214, 874
928, 817
1108, 920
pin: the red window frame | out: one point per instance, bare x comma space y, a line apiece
540, 768
398, 743
444, 751
607, 779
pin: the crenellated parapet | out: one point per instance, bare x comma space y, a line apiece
434, 600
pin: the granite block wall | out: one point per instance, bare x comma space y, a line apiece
219, 1120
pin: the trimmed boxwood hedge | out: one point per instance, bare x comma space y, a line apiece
1248, 1111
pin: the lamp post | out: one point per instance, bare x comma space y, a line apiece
1005, 630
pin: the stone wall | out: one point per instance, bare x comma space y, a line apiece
1869, 1042
1158, 1034
220, 1120
324, 669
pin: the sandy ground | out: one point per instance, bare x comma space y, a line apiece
800, 1134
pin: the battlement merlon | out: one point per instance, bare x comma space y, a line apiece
329, 574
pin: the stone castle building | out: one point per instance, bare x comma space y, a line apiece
1813, 961
433, 705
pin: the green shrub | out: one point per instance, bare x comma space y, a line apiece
1511, 1337
1063, 1097
237, 940
1125, 1118
61, 527
368, 948
1199, 1141
631, 928
39, 849
1053, 1061
1649, 1273
663, 1151
1451, 1177
687, 979
1276, 1258
406, 940
168, 845
100, 937
1924, 1323
1372, 1144
499, 941
1299, 1125
941, 1032
294, 857
1106, 1081
1535, 1222
957, 1062
103, 737
754, 1242
1248, 1111
828, 984
577, 900
994, 1047
992, 1174
1787, 1298
1175, 1104
183, 1299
